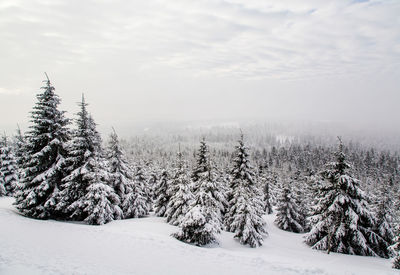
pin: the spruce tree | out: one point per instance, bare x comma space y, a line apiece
244, 216
136, 203
265, 184
204, 220
201, 162
384, 219
120, 171
180, 193
8, 168
343, 221
396, 249
19, 150
44, 161
289, 216
161, 195
2, 189
88, 177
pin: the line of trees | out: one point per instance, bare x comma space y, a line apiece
55, 172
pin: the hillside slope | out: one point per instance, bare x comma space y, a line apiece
144, 246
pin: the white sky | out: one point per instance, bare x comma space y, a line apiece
181, 60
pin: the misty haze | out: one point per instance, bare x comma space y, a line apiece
199, 137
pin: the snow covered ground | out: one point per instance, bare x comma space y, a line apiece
144, 246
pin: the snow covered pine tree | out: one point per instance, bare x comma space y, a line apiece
86, 193
45, 157
8, 168
121, 174
136, 203
343, 221
161, 195
180, 191
289, 216
204, 219
244, 216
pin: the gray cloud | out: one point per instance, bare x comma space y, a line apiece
150, 55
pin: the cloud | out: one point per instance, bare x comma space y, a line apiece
249, 39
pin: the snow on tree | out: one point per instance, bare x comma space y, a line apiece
136, 203
2, 189
120, 172
384, 219
201, 161
266, 188
203, 221
343, 221
395, 248
19, 150
86, 194
8, 168
44, 161
100, 204
289, 215
180, 193
244, 216
161, 194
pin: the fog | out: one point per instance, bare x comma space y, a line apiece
162, 62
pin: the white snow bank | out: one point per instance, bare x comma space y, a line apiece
144, 246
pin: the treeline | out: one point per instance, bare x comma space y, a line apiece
55, 172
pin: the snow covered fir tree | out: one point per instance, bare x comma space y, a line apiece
289, 215
121, 175
244, 215
204, 220
44, 159
342, 220
180, 192
161, 194
86, 193
8, 169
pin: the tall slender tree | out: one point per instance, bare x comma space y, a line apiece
289, 216
121, 174
161, 194
44, 161
180, 192
8, 168
343, 221
244, 216
88, 177
204, 220
202, 162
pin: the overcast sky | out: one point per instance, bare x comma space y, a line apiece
198, 60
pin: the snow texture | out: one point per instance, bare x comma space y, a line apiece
144, 246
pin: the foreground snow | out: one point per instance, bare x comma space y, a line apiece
144, 246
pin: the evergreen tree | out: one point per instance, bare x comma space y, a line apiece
384, 219
289, 215
265, 184
2, 189
44, 161
19, 151
201, 162
8, 168
180, 193
100, 204
342, 220
120, 172
203, 221
136, 203
86, 194
161, 194
396, 250
244, 216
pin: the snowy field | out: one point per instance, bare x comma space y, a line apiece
144, 246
